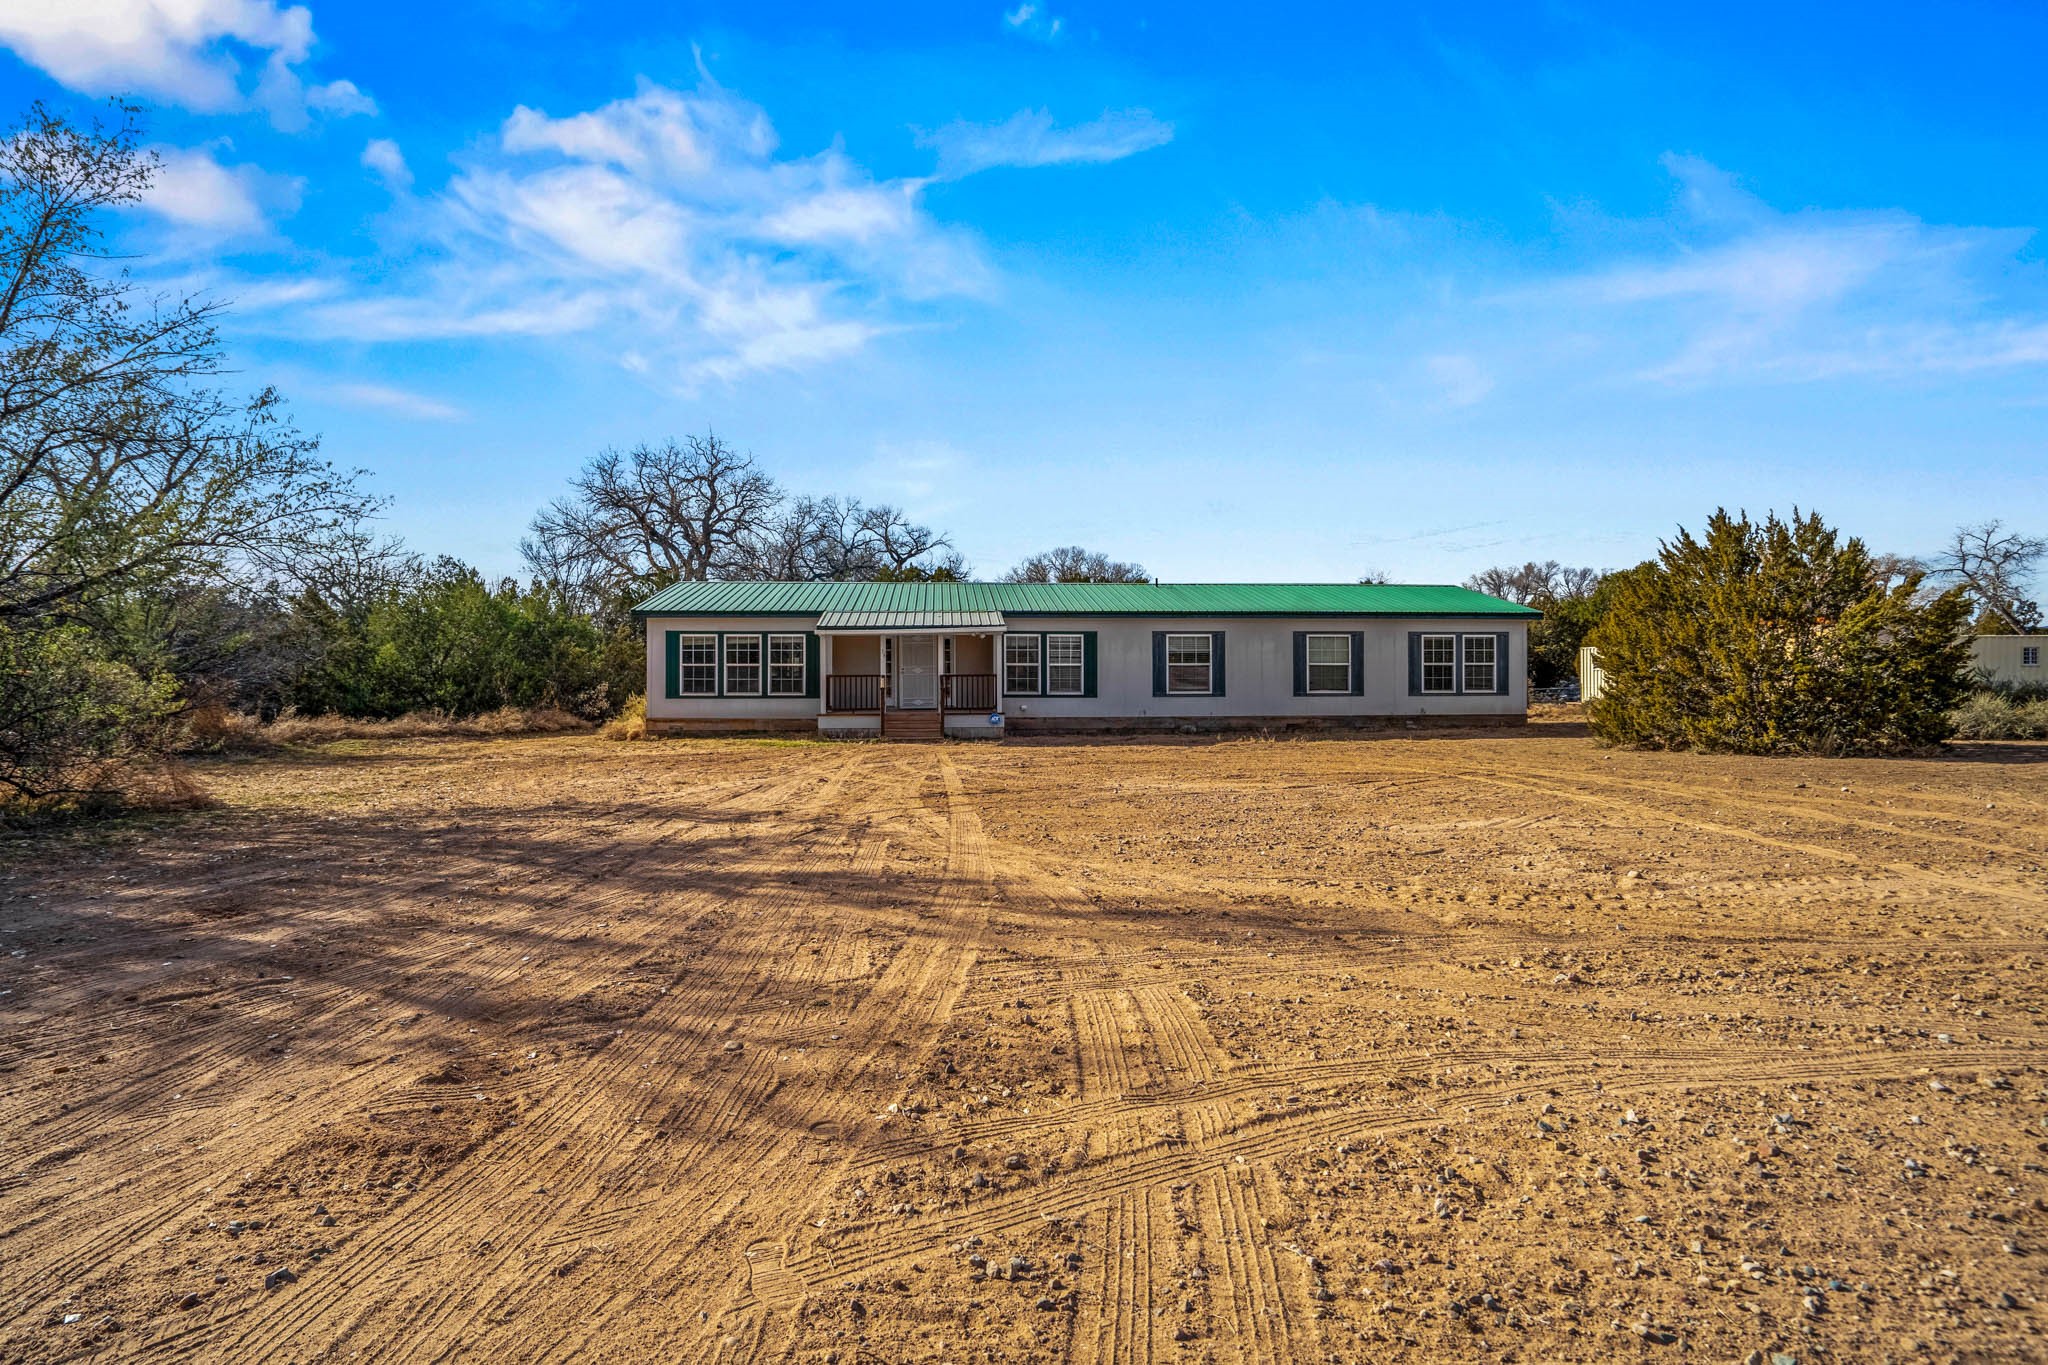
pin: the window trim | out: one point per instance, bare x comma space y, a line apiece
2030, 656
803, 664
1037, 664
760, 664
1309, 665
1079, 665
1492, 687
1208, 665
1423, 664
682, 639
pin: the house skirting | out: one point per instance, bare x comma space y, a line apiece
1082, 725
733, 725
977, 726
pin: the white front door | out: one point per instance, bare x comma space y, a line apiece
917, 672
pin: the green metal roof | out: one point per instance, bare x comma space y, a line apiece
1078, 599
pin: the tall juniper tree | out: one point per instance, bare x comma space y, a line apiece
1776, 637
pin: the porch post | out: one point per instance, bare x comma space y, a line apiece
824, 671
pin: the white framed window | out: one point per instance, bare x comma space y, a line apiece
1439, 663
743, 665
696, 665
1479, 663
786, 662
1020, 664
1329, 663
1065, 671
945, 654
2030, 656
1190, 663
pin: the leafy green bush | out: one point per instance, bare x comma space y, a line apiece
1776, 638
1990, 715
448, 641
76, 726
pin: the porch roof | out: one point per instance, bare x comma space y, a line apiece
847, 621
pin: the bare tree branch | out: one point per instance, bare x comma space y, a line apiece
1074, 564
1998, 567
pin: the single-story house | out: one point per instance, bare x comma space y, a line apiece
988, 659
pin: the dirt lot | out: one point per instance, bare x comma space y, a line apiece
1473, 1047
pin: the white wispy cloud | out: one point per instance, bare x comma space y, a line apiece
194, 191
673, 221
384, 159
340, 98
401, 401
1034, 21
1460, 380
1030, 138
1748, 291
187, 52
1723, 288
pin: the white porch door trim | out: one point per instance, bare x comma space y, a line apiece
917, 672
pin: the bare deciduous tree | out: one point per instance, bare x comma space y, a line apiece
812, 539
644, 518
1074, 564
1998, 567
1533, 583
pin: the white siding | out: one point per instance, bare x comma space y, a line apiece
1258, 669
661, 706
2002, 656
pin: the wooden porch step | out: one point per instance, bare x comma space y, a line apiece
916, 725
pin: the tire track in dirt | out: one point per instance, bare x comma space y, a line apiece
1830, 812
1187, 1049
1904, 871
925, 993
367, 1276
354, 1088
865, 1249
910, 999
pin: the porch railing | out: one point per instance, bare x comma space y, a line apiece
967, 692
854, 691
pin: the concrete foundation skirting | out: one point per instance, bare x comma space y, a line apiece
1206, 725
733, 725
849, 727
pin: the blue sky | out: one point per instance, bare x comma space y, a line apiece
1242, 294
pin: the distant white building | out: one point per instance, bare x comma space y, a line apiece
1591, 677
2011, 659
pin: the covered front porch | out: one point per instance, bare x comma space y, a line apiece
910, 675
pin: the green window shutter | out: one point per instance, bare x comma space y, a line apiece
675, 670
1357, 663
1414, 663
1300, 663
811, 664
1500, 664
1087, 663
1216, 663
1158, 663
